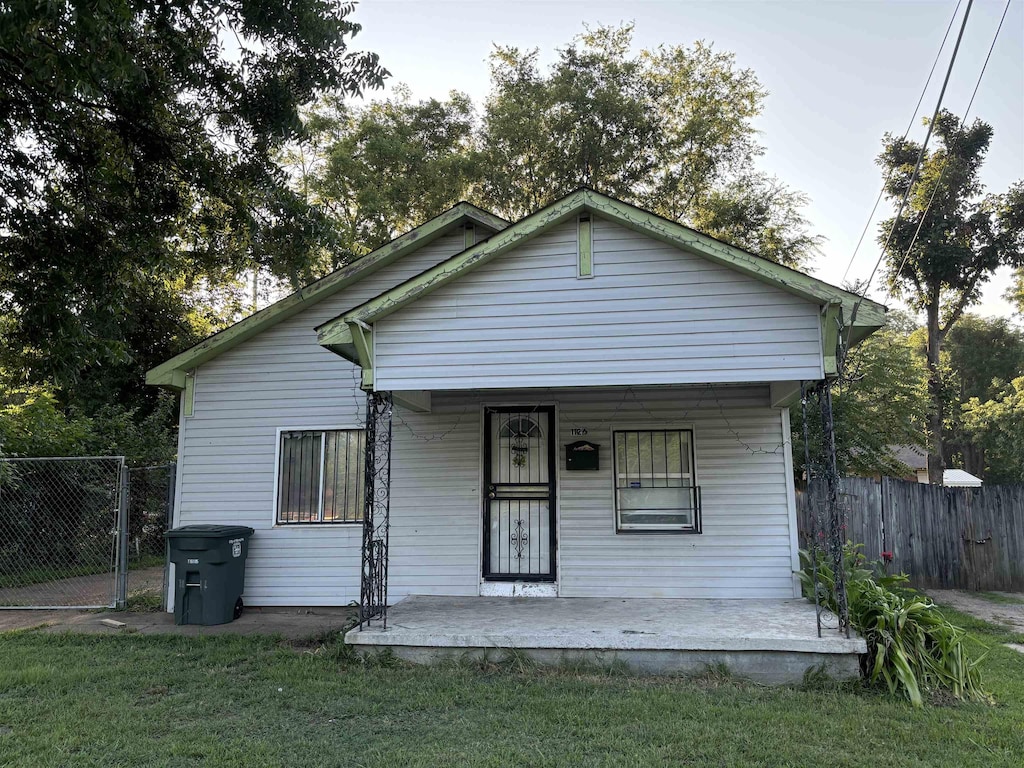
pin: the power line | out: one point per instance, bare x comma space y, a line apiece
917, 169
945, 162
910, 125
920, 154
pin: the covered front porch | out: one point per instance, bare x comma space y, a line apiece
769, 641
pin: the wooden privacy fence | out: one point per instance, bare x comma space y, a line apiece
943, 538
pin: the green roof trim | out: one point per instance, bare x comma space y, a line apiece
172, 373
830, 328
870, 315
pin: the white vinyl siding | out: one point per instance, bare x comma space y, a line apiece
227, 449
282, 379
651, 314
436, 502
740, 462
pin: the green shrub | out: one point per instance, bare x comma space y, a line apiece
912, 648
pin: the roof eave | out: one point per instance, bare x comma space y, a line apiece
171, 373
870, 315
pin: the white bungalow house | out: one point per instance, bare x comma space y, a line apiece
566, 433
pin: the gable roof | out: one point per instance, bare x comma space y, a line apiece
349, 334
910, 456
172, 373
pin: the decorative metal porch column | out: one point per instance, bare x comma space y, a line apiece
827, 512
373, 586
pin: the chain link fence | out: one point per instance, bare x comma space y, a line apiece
150, 503
59, 523
83, 532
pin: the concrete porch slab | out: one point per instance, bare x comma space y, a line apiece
770, 641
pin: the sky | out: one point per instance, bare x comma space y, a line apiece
840, 73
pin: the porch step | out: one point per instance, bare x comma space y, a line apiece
771, 641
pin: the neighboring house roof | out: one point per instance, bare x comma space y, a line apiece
172, 373
350, 334
917, 460
910, 455
960, 478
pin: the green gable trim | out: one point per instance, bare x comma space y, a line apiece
585, 250
189, 396
362, 341
481, 253
341, 342
172, 373
830, 327
870, 316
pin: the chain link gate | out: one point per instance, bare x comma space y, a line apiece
59, 524
83, 532
150, 506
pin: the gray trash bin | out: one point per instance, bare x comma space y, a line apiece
209, 572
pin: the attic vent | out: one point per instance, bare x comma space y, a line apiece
585, 258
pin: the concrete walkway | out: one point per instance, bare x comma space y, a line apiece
1007, 609
289, 623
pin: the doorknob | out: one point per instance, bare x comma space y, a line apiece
491, 495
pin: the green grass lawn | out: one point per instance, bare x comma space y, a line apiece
998, 597
71, 700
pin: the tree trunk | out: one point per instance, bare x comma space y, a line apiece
935, 411
974, 458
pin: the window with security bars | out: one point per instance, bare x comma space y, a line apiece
320, 476
654, 481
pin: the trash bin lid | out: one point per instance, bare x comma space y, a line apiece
209, 531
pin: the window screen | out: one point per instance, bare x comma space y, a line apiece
320, 477
654, 488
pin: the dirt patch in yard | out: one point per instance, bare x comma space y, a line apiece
305, 627
1005, 608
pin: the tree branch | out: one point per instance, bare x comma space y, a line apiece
961, 304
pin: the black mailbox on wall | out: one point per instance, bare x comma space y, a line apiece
582, 455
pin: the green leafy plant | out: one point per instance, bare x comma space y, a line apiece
912, 648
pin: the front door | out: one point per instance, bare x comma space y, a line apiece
519, 494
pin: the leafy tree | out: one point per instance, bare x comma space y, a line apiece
980, 356
136, 162
953, 239
882, 408
384, 168
997, 425
589, 121
758, 213
33, 422
670, 129
984, 354
1015, 293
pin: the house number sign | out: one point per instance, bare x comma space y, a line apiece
578, 431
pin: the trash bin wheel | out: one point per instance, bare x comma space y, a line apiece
239, 605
